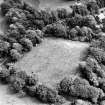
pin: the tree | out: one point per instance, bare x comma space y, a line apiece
89, 21
17, 47
46, 16
39, 24
54, 16
95, 67
87, 71
15, 55
16, 31
102, 84
39, 33
80, 9
5, 8
46, 94
7, 4
87, 33
4, 48
27, 44
33, 36
77, 20
28, 8
31, 80
21, 74
16, 84
15, 14
83, 91
62, 13
92, 7
20, 28
101, 3
11, 68
15, 34
31, 90
4, 75
73, 33
98, 54
56, 30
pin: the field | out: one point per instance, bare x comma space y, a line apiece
53, 59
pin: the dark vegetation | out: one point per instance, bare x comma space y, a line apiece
80, 88
27, 27
101, 3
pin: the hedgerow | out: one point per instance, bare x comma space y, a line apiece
93, 7
34, 36
4, 48
15, 55
39, 33
98, 54
101, 3
11, 68
17, 47
16, 84
46, 94
93, 66
73, 33
102, 84
90, 21
76, 20
21, 74
7, 4
62, 13
31, 80
56, 30
96, 68
4, 75
83, 34
84, 91
14, 34
27, 44
88, 73
80, 9
41, 92
15, 15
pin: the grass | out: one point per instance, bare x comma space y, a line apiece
53, 59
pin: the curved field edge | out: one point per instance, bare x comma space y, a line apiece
53, 59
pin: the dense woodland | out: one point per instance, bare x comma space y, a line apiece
27, 27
